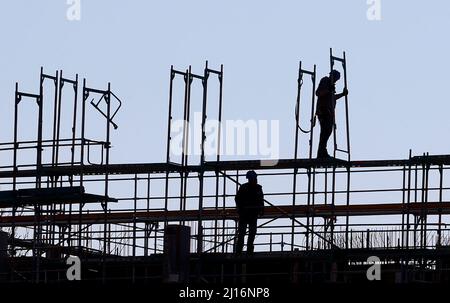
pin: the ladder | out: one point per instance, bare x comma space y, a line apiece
346, 150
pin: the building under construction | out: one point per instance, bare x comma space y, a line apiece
176, 220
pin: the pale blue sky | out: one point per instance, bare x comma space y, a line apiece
398, 67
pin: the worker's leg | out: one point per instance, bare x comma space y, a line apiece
252, 225
326, 129
242, 227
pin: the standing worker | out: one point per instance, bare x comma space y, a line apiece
326, 104
250, 204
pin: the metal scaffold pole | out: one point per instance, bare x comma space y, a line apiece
334, 215
312, 75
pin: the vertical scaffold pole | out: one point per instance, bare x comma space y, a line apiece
311, 183
169, 138
408, 200
106, 247
56, 138
217, 177
83, 143
202, 160
186, 129
37, 230
441, 182
219, 135
343, 61
297, 124
72, 148
15, 169
298, 128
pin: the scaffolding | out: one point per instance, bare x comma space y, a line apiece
112, 215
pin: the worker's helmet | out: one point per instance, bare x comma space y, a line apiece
251, 174
335, 75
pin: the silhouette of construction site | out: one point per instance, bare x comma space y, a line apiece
175, 221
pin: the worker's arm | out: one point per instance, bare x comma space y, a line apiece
343, 94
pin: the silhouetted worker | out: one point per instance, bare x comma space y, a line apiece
250, 204
326, 103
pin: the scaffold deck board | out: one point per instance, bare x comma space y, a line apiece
300, 211
149, 168
46, 196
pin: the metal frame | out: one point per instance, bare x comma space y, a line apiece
85, 224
